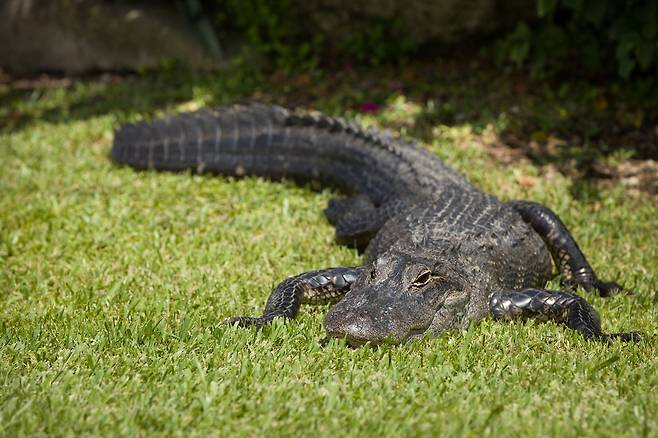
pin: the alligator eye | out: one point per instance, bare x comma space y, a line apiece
423, 278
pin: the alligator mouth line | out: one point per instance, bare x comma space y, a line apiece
356, 342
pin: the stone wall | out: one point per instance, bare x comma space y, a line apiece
76, 36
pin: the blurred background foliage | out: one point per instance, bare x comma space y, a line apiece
596, 35
279, 30
582, 37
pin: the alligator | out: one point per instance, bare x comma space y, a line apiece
439, 253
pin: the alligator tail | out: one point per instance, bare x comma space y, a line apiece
273, 142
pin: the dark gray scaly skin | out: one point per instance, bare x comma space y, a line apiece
439, 253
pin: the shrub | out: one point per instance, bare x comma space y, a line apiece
281, 30
611, 35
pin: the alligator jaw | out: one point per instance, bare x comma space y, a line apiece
356, 342
359, 332
356, 330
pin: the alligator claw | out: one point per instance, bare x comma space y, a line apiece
604, 289
607, 289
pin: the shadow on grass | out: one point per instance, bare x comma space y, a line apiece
572, 124
62, 100
587, 130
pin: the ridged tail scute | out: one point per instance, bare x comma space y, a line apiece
273, 142
204, 140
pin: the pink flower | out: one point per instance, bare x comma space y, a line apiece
369, 107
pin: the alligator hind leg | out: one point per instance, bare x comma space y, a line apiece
356, 220
568, 257
314, 287
361, 221
339, 207
562, 307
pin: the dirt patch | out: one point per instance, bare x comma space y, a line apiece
640, 175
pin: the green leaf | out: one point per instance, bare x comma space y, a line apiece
650, 27
545, 7
627, 43
626, 66
617, 28
595, 10
519, 53
521, 33
576, 5
645, 53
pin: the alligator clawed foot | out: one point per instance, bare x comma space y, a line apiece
603, 288
610, 288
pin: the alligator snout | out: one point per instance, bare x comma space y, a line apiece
357, 328
374, 317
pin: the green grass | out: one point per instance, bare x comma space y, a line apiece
113, 284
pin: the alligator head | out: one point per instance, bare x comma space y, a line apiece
399, 297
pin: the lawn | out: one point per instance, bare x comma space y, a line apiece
114, 283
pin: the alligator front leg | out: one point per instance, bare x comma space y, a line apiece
562, 307
314, 287
568, 257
